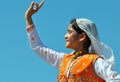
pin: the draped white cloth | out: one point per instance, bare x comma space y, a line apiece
97, 46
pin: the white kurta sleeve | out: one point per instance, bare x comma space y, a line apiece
105, 70
52, 57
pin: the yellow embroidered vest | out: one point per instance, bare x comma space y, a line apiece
80, 69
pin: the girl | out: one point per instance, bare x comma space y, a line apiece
91, 60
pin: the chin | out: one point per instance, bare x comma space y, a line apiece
67, 46
70, 47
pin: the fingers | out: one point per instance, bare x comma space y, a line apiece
35, 7
32, 4
42, 2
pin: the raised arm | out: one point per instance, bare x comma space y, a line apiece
34, 7
51, 56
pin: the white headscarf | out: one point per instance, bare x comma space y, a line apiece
96, 47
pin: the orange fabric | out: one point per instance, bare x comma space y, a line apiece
78, 70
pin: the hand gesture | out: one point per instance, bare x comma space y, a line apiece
34, 7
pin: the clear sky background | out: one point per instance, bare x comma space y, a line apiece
18, 63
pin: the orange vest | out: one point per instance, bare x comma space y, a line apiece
80, 69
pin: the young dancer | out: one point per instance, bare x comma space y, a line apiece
91, 61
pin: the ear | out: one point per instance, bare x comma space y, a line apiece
82, 37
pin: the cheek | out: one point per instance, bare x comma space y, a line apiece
73, 41
74, 38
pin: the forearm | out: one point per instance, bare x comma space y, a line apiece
49, 55
33, 36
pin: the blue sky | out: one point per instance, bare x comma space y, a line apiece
18, 63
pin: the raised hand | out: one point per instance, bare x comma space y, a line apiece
34, 7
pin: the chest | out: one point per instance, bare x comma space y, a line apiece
75, 66
80, 69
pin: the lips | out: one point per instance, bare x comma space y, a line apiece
67, 40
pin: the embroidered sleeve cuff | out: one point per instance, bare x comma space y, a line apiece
30, 28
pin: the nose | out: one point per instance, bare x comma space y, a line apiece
65, 36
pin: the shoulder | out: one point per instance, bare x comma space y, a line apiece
67, 56
92, 56
96, 57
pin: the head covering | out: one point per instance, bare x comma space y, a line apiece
97, 46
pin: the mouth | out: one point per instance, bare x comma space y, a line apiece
67, 40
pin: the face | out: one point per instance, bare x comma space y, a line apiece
72, 39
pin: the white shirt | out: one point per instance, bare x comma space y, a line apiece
102, 68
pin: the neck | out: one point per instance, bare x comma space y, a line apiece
79, 53
81, 48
